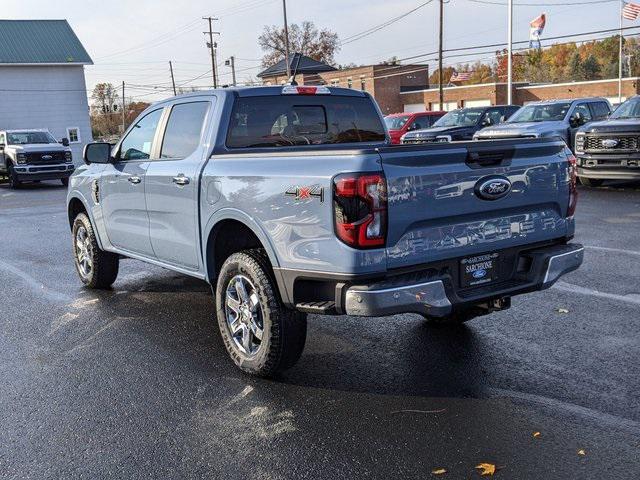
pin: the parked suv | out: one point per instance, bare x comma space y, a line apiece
552, 118
34, 155
400, 123
460, 124
290, 200
610, 149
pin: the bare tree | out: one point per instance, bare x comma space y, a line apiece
305, 38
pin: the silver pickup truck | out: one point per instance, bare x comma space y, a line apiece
34, 155
291, 200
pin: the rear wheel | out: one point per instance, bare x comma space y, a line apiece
13, 178
591, 182
96, 268
261, 335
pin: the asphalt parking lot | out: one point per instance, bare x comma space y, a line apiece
135, 383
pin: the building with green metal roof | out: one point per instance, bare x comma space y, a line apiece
42, 82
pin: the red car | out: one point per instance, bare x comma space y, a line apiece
401, 123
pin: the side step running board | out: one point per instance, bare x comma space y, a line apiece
322, 308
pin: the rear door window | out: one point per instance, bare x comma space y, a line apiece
298, 120
184, 129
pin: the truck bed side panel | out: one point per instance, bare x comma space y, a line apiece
299, 227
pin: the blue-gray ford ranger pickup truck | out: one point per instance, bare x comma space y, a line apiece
291, 200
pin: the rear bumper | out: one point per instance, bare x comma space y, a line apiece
26, 173
437, 297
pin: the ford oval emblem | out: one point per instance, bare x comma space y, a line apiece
610, 143
46, 157
480, 273
493, 188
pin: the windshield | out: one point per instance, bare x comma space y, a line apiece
541, 113
466, 117
27, 138
629, 109
396, 123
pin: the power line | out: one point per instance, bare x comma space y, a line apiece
379, 27
525, 4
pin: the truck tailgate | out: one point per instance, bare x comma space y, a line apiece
437, 213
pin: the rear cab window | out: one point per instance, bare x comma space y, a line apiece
600, 110
299, 120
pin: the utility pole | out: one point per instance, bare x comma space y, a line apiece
173, 80
286, 38
123, 111
440, 72
232, 63
510, 54
212, 46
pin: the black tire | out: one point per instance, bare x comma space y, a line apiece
65, 181
13, 179
284, 331
591, 182
104, 265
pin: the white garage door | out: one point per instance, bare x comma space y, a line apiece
414, 107
448, 106
477, 103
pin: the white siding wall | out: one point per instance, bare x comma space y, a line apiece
52, 97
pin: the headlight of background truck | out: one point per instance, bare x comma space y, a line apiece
21, 158
68, 157
579, 143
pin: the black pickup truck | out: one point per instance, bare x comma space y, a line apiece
610, 149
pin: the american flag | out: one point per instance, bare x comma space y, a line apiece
460, 76
630, 11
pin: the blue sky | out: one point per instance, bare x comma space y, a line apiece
133, 41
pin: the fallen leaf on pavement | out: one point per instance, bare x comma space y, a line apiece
582, 452
486, 468
439, 471
563, 310
536, 434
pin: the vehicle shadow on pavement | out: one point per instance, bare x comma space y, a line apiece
418, 359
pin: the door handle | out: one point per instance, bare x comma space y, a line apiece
181, 180
134, 179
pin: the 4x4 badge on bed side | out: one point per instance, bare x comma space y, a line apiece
305, 193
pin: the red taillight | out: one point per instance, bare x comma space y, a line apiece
360, 208
305, 90
573, 185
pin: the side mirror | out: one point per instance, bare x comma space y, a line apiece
99, 152
576, 120
2, 146
65, 142
487, 122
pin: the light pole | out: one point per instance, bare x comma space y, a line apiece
440, 72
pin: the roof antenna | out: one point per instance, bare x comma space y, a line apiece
292, 80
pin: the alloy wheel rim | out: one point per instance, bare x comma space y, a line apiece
84, 252
244, 315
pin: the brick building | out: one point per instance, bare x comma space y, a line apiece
496, 93
384, 82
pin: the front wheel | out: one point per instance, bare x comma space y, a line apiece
13, 178
591, 182
261, 335
96, 268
